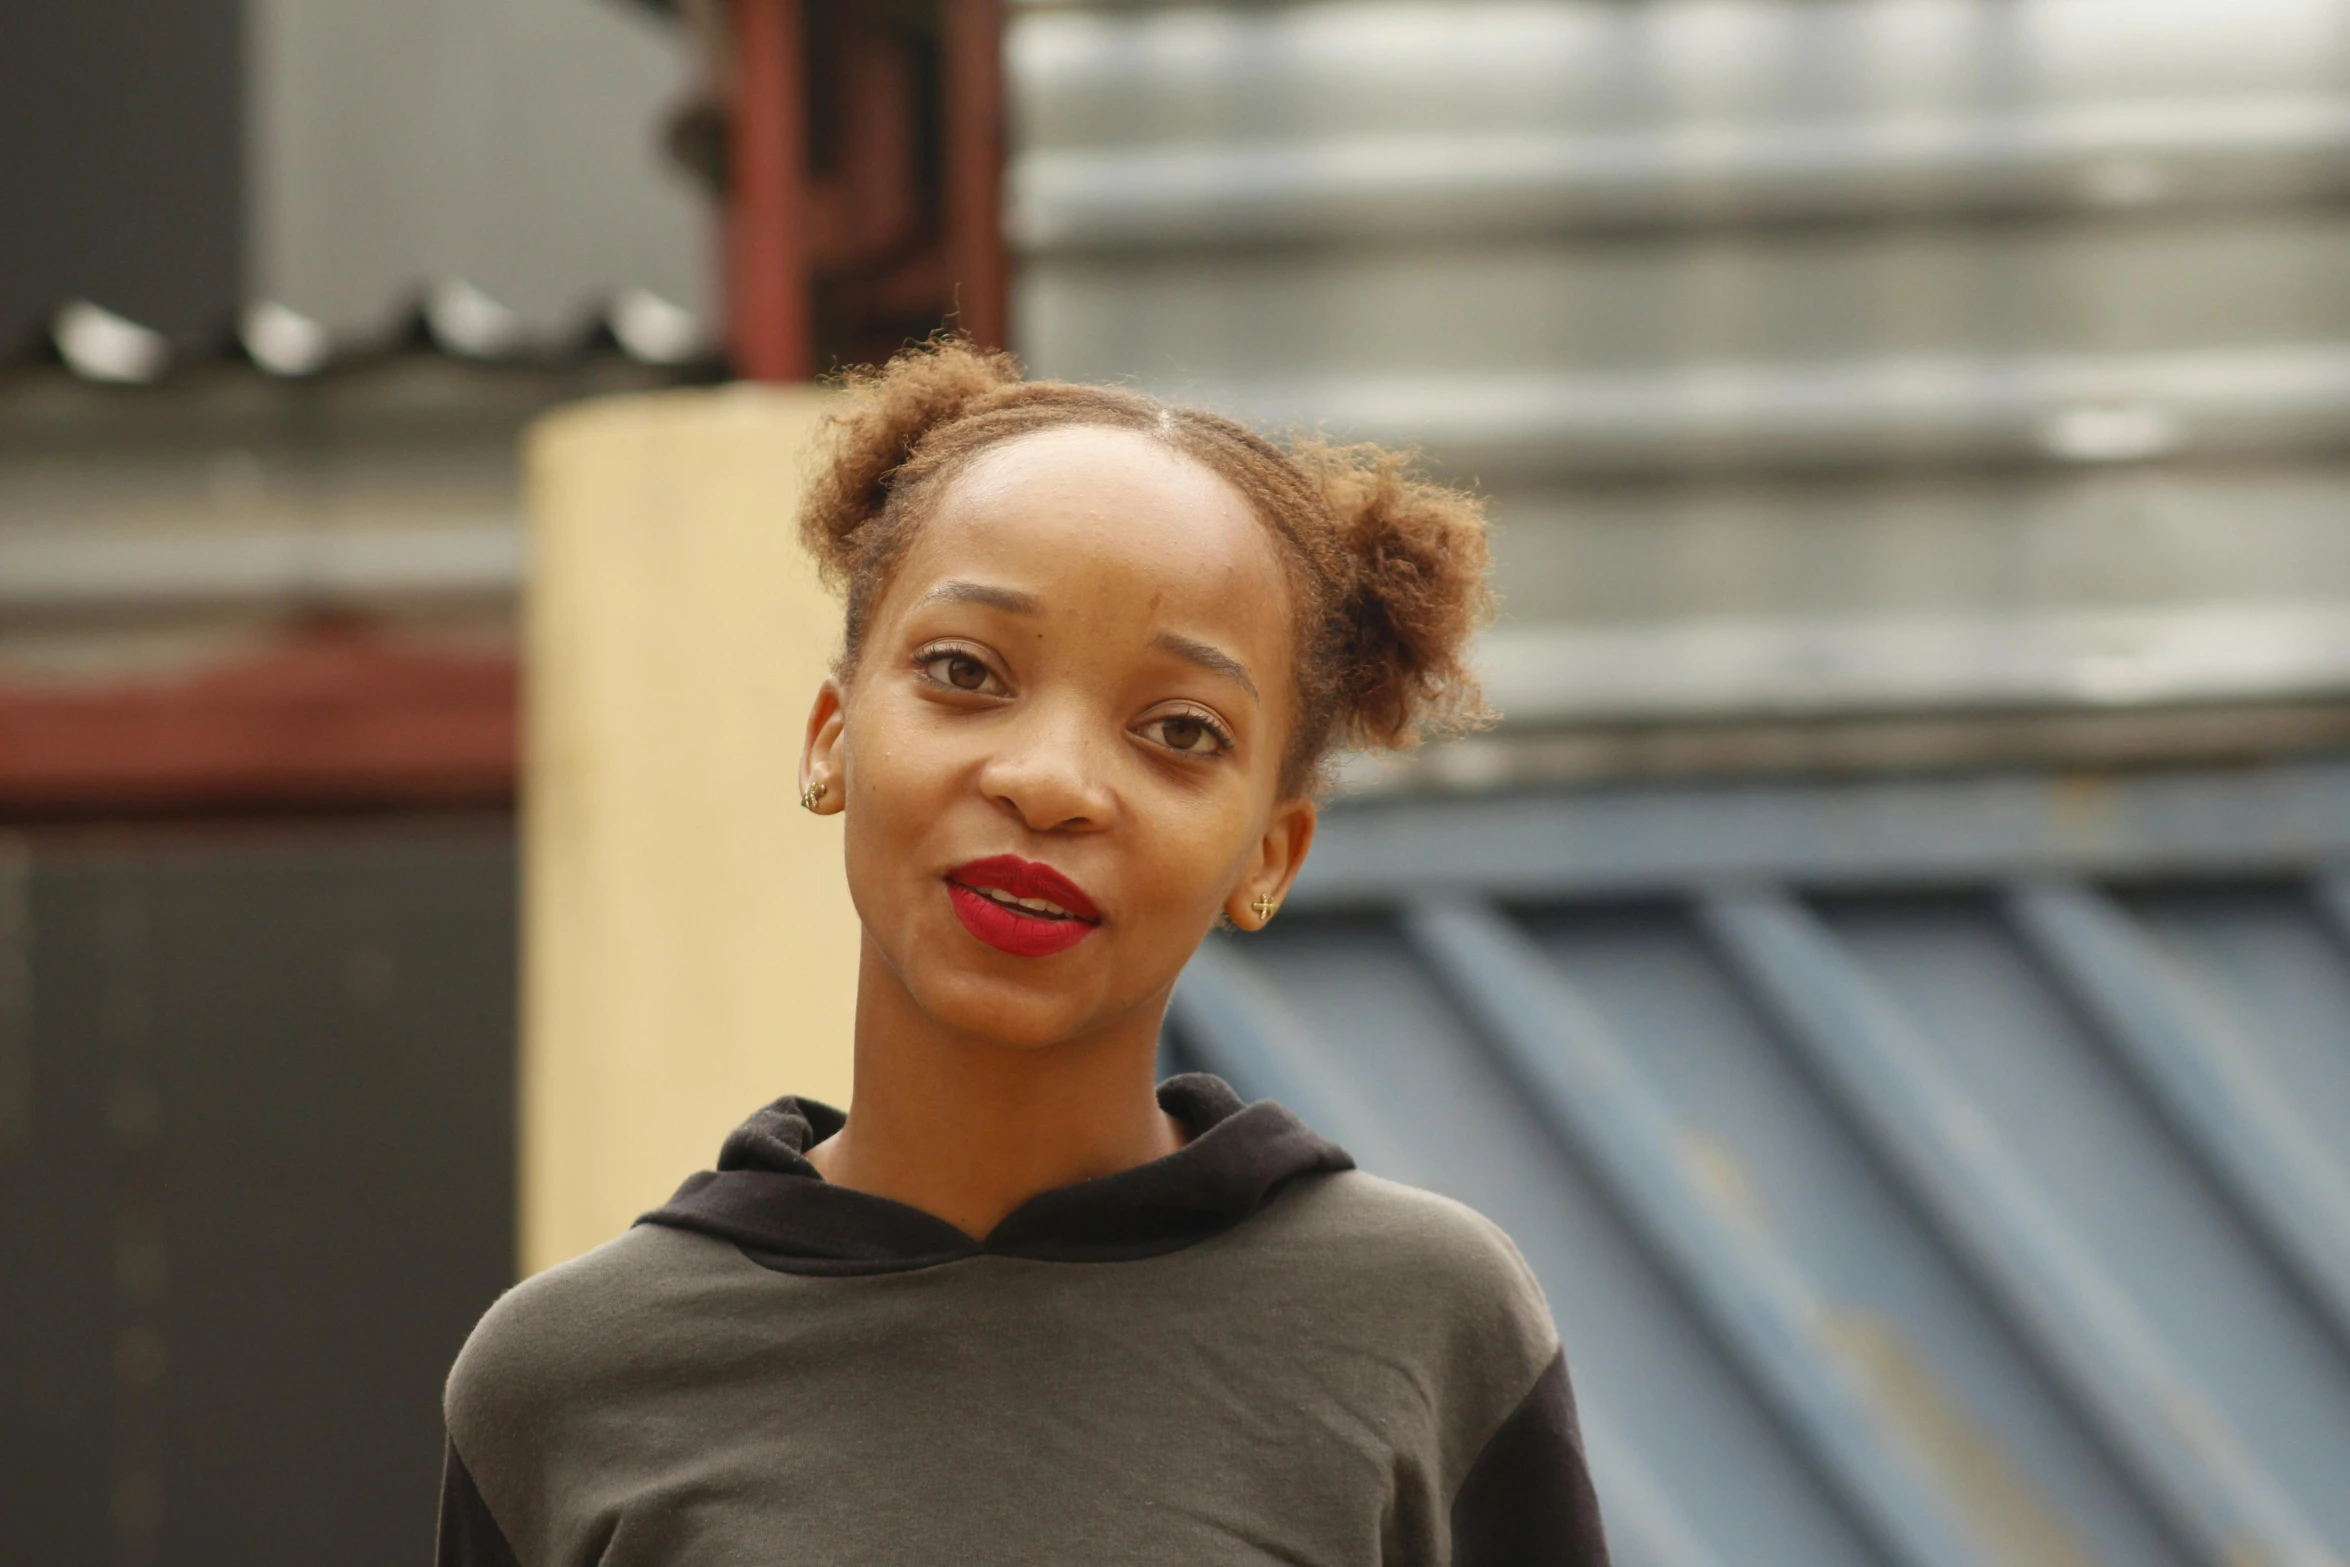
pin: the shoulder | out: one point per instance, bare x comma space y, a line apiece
1424, 1265
1440, 1288
552, 1340
1418, 1238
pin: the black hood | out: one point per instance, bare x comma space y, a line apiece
769, 1200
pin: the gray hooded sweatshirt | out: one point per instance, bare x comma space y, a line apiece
1245, 1352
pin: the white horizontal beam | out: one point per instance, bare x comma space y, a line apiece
1861, 413
1456, 183
58, 569
1743, 668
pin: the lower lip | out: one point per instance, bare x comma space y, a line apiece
1022, 935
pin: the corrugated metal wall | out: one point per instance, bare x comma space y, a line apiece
1806, 329
118, 162
305, 176
511, 146
1939, 1173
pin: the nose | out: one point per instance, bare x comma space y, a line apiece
1049, 769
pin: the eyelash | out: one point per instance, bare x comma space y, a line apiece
938, 652
1207, 721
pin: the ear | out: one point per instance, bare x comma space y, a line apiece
823, 756
1280, 855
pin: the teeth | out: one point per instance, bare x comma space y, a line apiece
1031, 905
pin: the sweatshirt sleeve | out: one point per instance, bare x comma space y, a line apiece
1527, 1499
469, 1536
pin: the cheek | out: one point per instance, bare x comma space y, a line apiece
893, 787
1190, 856
891, 750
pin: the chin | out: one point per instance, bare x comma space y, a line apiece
1015, 1015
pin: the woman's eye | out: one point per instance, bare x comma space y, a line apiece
959, 670
1194, 735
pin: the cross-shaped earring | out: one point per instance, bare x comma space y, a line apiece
1264, 908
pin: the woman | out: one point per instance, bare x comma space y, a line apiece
1023, 1306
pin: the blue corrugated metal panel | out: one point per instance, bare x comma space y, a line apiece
1931, 1171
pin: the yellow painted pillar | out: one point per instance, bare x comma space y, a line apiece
689, 950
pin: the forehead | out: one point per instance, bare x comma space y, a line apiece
1091, 515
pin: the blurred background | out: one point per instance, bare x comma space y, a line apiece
1890, 969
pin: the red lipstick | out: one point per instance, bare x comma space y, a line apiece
1027, 933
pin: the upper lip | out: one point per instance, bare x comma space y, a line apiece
1026, 879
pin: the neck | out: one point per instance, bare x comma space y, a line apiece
968, 1129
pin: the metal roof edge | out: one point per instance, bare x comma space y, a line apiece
1655, 838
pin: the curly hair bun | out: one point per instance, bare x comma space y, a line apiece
880, 424
1416, 592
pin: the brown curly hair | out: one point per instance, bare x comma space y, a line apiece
1387, 567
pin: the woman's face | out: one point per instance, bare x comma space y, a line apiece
1075, 692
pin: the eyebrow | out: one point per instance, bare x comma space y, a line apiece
958, 591
1206, 657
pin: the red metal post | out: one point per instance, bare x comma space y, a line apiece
974, 116
770, 309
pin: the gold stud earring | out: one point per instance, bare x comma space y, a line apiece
1264, 908
813, 794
